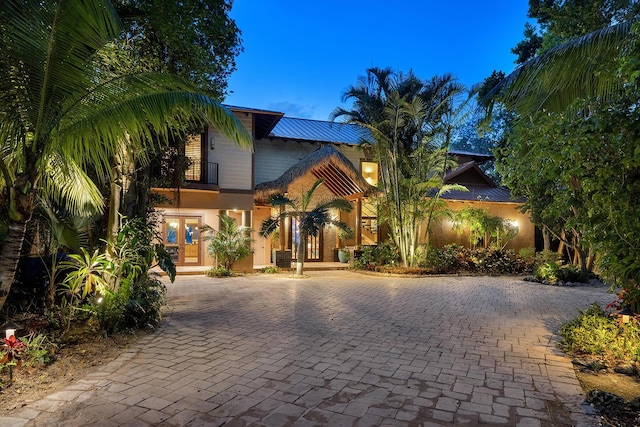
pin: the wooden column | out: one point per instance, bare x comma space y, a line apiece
358, 222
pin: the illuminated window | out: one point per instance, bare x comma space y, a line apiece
370, 172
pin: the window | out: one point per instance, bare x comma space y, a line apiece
370, 172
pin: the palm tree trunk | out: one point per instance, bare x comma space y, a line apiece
301, 253
9, 257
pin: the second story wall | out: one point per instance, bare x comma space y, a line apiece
274, 156
234, 163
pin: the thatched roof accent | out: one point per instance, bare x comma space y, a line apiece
339, 174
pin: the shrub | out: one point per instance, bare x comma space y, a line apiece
446, 260
271, 269
597, 333
373, 257
219, 272
552, 272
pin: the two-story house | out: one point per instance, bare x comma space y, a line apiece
289, 155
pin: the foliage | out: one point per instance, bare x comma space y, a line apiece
346, 233
13, 351
453, 258
134, 305
219, 271
483, 227
230, 243
63, 118
271, 269
87, 274
559, 21
310, 219
373, 257
412, 123
195, 39
125, 296
39, 349
597, 333
553, 272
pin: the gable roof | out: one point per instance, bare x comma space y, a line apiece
319, 131
468, 174
339, 174
480, 186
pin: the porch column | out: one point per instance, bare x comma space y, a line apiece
358, 222
283, 231
246, 219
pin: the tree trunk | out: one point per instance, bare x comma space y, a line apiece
301, 253
546, 237
9, 257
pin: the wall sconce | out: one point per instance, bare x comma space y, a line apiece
9, 329
212, 142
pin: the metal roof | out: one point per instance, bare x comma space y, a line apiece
319, 131
481, 193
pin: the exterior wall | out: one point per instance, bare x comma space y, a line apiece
274, 156
235, 165
205, 199
442, 233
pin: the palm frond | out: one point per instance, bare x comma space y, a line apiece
65, 183
579, 68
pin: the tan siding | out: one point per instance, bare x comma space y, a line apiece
234, 163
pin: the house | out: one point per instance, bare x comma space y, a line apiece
289, 155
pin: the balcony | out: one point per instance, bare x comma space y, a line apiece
202, 173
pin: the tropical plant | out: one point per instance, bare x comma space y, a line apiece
492, 231
411, 122
230, 243
13, 350
311, 218
60, 119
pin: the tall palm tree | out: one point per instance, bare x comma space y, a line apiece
310, 219
411, 122
59, 117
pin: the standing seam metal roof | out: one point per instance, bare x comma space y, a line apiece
317, 130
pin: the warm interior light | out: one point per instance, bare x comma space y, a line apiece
368, 169
173, 224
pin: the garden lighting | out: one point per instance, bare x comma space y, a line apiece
10, 329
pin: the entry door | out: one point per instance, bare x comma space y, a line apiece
314, 243
182, 239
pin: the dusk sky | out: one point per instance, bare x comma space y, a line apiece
300, 56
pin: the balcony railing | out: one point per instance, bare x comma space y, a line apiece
202, 173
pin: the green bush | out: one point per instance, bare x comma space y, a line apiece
457, 259
446, 260
219, 272
595, 332
373, 257
552, 272
271, 269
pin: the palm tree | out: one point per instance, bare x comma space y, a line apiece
411, 122
311, 219
583, 67
60, 118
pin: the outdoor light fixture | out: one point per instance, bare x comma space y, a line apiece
212, 142
9, 329
624, 315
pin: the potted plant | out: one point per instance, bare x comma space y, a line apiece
344, 234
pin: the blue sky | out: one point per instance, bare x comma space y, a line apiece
301, 55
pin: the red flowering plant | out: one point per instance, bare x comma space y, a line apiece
13, 350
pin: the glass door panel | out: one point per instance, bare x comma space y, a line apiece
314, 244
191, 241
182, 239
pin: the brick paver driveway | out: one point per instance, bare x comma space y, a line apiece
339, 348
